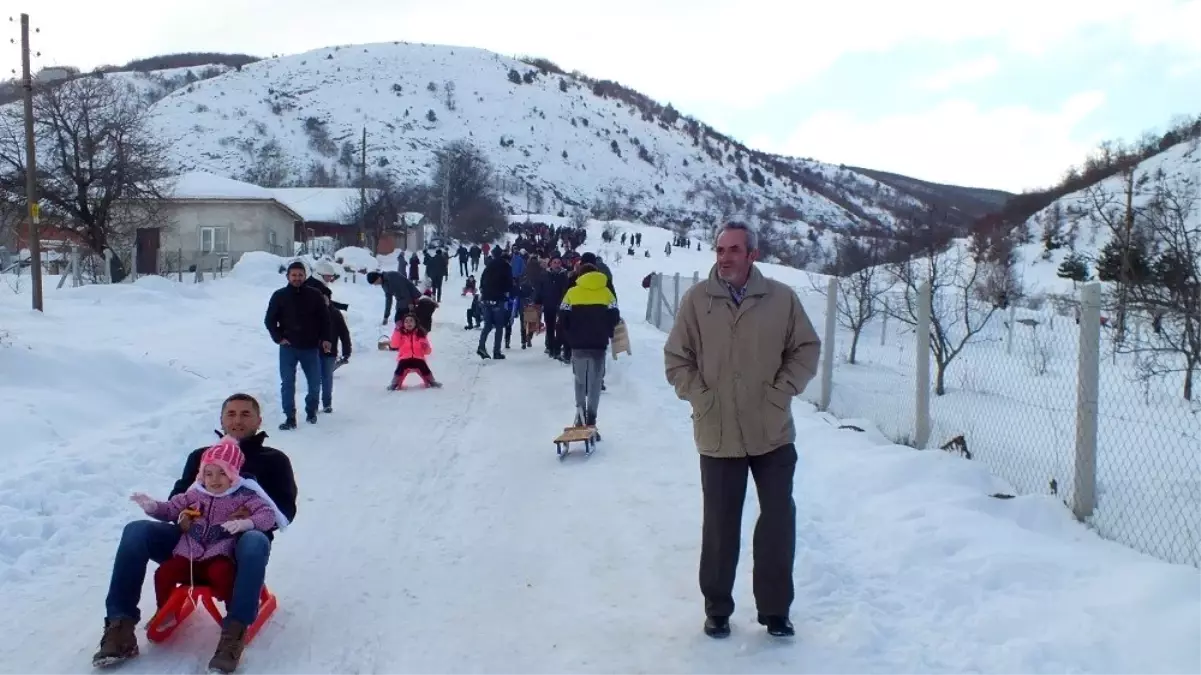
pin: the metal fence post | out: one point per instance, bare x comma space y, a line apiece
650, 298
1009, 328
884, 323
675, 298
1088, 372
828, 343
921, 401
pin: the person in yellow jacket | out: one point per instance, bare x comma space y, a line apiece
588, 316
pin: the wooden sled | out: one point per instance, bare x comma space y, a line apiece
577, 433
621, 340
531, 316
185, 599
398, 380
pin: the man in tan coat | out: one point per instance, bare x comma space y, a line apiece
740, 349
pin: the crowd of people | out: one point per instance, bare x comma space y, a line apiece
218, 521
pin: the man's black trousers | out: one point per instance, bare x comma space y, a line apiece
723, 482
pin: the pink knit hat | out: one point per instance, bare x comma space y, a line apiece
226, 455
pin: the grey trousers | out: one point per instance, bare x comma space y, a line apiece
588, 365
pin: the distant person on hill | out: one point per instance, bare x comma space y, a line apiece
143, 541
415, 268
496, 285
298, 320
741, 385
588, 316
462, 255
436, 270
474, 254
397, 288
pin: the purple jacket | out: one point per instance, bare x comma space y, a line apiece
206, 538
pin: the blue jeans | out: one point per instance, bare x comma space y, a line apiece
496, 316
327, 380
310, 362
146, 540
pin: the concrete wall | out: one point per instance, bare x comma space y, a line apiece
249, 224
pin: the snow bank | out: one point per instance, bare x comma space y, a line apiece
357, 258
260, 268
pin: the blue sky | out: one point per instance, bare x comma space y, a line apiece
1004, 95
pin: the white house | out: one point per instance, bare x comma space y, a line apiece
209, 221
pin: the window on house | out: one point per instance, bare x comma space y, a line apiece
214, 240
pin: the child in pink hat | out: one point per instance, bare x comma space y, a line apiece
220, 505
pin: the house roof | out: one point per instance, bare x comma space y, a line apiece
412, 218
204, 185
323, 205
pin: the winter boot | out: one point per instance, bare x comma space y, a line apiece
229, 648
433, 383
778, 626
717, 626
498, 355
328, 409
289, 423
118, 644
311, 418
482, 352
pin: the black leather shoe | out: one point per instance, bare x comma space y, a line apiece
778, 626
717, 626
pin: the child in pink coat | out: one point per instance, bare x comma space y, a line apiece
412, 346
218, 507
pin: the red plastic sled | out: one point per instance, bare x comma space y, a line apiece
398, 380
181, 604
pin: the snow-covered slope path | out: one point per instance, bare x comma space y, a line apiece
438, 533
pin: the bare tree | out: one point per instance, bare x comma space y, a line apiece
474, 213
95, 155
956, 317
1116, 213
1171, 298
861, 284
384, 205
11, 215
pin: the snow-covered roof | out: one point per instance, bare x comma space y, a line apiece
204, 185
412, 218
323, 205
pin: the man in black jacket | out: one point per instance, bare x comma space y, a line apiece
145, 540
299, 322
549, 294
496, 284
395, 285
437, 269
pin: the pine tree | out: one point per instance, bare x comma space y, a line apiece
1074, 267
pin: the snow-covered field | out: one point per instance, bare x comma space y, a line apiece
437, 531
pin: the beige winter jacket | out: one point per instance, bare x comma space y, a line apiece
740, 365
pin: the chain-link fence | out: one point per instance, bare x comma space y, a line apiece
1050, 395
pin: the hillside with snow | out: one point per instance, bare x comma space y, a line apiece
557, 141
1080, 222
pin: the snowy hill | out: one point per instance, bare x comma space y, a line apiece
556, 140
1078, 219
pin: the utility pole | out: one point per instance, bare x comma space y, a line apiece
445, 225
31, 184
363, 189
